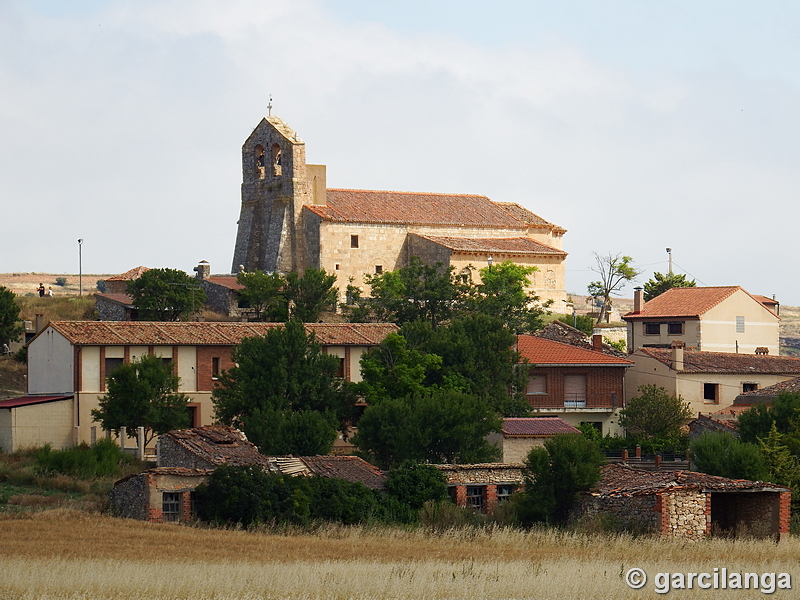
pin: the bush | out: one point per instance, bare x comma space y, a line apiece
101, 285
413, 484
723, 455
102, 459
62, 281
584, 323
444, 515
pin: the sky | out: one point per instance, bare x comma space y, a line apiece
635, 125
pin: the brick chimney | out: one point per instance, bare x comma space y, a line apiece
597, 342
638, 299
677, 355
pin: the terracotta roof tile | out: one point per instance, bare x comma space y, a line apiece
536, 426
621, 480
558, 331
690, 302
219, 445
123, 299
134, 273
349, 468
370, 206
193, 333
516, 245
520, 213
225, 281
29, 400
772, 391
544, 352
727, 362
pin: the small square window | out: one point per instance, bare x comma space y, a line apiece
711, 393
652, 328
378, 269
749, 387
675, 328
537, 384
337, 266
504, 493
112, 364
354, 241
171, 506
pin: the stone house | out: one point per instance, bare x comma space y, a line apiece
688, 505
74, 358
222, 292
574, 383
114, 303
207, 448
707, 380
482, 486
519, 435
290, 220
710, 319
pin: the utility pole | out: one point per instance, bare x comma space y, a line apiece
80, 266
669, 251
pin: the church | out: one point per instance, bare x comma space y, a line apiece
290, 221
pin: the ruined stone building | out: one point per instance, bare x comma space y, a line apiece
290, 220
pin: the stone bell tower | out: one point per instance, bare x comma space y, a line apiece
275, 187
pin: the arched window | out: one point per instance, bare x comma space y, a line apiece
276, 160
260, 160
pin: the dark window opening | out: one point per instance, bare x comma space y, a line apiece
675, 328
354, 241
112, 364
340, 369
215, 367
277, 169
652, 328
260, 156
167, 362
171, 506
711, 392
378, 269
749, 387
504, 493
337, 266
476, 495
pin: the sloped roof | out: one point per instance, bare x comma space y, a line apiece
228, 281
373, 206
134, 273
558, 331
544, 352
689, 302
30, 400
123, 299
206, 333
524, 215
349, 468
515, 245
536, 426
766, 301
219, 445
622, 480
772, 391
726, 362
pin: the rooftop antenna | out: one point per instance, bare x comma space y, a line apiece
269, 106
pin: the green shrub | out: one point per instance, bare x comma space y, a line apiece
413, 484
444, 515
62, 281
102, 459
101, 285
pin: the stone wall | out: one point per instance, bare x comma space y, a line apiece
494, 473
172, 454
685, 513
129, 497
107, 310
636, 512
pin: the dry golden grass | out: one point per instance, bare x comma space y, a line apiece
69, 554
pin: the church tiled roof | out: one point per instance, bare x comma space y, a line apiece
370, 206
515, 245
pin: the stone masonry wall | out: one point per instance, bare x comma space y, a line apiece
686, 514
129, 498
638, 512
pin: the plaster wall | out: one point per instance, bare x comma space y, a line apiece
51, 364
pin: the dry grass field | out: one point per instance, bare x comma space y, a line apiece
62, 554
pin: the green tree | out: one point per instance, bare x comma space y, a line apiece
660, 283
615, 271
276, 376
166, 295
143, 393
503, 292
413, 484
554, 475
583, 323
440, 426
755, 423
264, 294
417, 292
723, 455
783, 466
310, 294
10, 324
655, 414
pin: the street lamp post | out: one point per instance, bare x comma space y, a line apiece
489, 260
80, 266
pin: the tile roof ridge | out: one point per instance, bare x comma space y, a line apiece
409, 193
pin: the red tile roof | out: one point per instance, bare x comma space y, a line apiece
123, 299
29, 400
772, 391
218, 445
349, 468
523, 214
726, 362
206, 333
621, 480
516, 245
536, 426
371, 206
690, 302
134, 273
225, 281
544, 352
